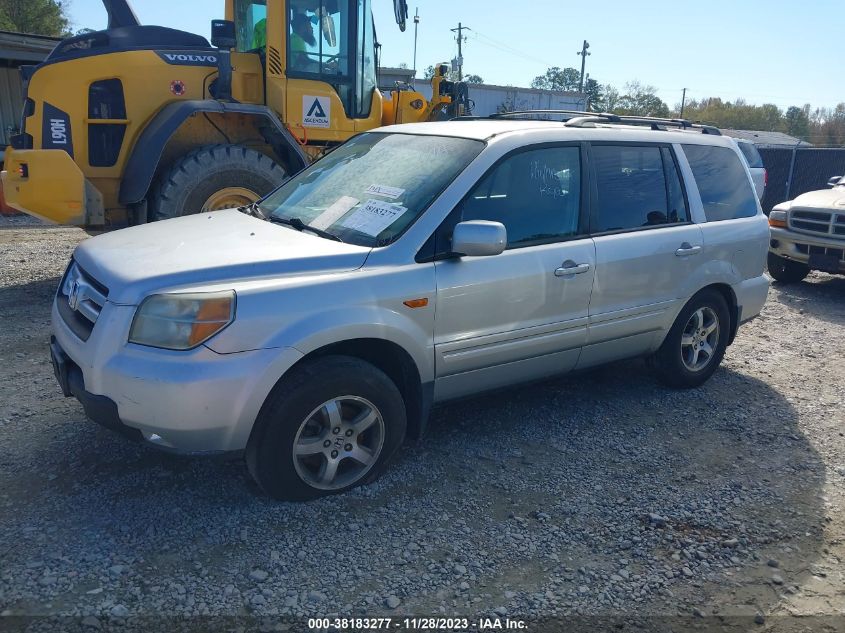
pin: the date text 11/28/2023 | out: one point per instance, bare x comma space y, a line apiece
417, 624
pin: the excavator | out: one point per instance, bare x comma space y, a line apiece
137, 123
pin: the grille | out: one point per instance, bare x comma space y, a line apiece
819, 222
80, 300
808, 249
274, 61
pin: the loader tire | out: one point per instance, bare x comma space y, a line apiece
212, 178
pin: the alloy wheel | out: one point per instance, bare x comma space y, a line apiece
700, 339
338, 443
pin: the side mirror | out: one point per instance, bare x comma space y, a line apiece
479, 238
834, 181
223, 34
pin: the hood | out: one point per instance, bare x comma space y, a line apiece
207, 248
827, 199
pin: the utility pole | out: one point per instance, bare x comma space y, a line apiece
683, 102
460, 39
583, 53
416, 26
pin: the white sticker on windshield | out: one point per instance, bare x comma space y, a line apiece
333, 213
384, 190
374, 216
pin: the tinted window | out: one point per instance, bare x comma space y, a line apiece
535, 194
749, 150
637, 186
105, 101
722, 181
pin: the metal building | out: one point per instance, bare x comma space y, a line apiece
490, 99
16, 50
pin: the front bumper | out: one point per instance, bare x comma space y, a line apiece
196, 401
99, 409
800, 247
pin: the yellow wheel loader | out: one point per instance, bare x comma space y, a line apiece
139, 123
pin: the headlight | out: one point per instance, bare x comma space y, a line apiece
182, 321
777, 218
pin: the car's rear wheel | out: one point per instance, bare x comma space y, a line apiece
332, 425
696, 343
785, 270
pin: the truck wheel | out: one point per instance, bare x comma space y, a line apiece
696, 344
215, 177
785, 270
331, 425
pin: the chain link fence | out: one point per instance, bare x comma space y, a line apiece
793, 171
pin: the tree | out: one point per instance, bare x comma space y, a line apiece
641, 100
556, 79
595, 95
610, 98
39, 17
797, 122
474, 79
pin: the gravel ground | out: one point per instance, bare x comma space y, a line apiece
589, 496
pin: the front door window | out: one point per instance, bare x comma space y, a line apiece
318, 38
251, 25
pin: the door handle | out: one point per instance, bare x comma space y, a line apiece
687, 249
571, 268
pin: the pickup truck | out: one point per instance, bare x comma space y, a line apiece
808, 233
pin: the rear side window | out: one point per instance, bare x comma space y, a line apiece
638, 186
722, 181
749, 150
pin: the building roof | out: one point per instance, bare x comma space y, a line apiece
767, 139
26, 47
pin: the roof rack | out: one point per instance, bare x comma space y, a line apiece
579, 118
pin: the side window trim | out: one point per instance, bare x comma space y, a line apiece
696, 207
673, 155
429, 252
594, 193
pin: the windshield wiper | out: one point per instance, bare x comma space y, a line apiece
299, 225
252, 209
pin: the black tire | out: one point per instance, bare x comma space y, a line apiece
669, 361
785, 270
269, 454
192, 181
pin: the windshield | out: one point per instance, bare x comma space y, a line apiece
370, 189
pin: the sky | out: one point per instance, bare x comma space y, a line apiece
773, 51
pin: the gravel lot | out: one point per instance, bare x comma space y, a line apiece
602, 494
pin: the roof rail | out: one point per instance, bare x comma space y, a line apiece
655, 123
579, 118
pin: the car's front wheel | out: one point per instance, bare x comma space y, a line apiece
696, 344
331, 425
785, 270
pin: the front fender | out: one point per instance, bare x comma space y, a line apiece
412, 332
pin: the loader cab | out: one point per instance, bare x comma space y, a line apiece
319, 59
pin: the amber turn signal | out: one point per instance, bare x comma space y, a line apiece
416, 303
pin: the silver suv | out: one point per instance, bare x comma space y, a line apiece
412, 265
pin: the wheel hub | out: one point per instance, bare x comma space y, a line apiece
700, 339
338, 443
229, 198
